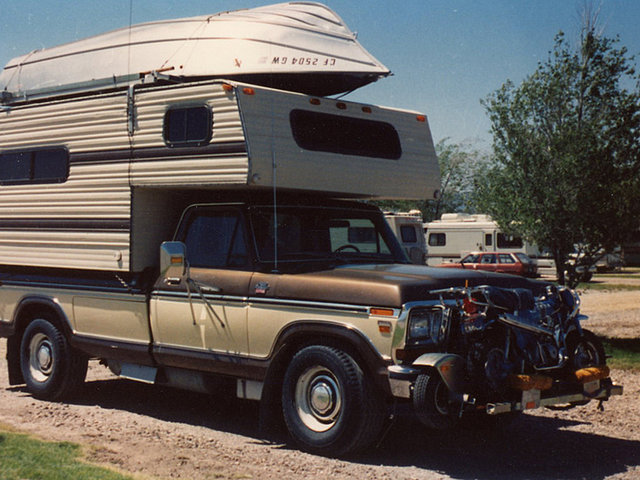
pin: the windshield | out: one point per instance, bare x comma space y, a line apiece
323, 234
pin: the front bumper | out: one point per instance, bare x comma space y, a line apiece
561, 395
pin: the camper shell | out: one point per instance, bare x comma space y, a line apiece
117, 161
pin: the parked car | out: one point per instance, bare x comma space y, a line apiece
516, 263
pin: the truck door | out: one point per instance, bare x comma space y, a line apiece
206, 312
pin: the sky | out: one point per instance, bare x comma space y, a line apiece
445, 55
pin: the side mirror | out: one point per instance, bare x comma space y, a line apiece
173, 261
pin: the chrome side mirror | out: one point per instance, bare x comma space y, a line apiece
173, 262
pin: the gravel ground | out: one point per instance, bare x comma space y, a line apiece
165, 433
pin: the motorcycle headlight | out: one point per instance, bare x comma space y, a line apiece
426, 324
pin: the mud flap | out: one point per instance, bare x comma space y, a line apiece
13, 361
450, 367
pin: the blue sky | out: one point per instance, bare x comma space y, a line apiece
445, 54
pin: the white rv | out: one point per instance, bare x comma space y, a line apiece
407, 226
457, 234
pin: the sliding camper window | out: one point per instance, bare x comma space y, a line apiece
47, 165
187, 126
323, 132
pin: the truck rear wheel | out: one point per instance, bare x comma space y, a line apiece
51, 368
433, 403
329, 406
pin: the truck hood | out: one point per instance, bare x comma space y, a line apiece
386, 285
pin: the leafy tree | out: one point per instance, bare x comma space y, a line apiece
460, 165
567, 151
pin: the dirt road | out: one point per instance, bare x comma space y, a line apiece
164, 433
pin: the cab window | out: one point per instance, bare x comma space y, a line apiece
216, 239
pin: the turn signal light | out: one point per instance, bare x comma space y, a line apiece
421, 118
226, 87
248, 91
387, 312
384, 327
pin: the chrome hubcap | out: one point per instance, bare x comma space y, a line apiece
40, 357
318, 398
321, 397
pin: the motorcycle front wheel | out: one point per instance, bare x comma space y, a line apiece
585, 350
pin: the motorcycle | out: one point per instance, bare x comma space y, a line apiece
508, 351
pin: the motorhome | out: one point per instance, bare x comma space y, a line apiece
207, 234
456, 234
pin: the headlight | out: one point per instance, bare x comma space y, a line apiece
427, 324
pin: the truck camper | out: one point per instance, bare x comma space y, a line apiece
211, 233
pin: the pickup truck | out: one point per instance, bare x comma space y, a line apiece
311, 306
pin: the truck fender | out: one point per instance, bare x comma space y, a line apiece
294, 337
449, 366
26, 306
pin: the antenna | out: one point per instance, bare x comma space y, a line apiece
274, 169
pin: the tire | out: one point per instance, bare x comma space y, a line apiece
433, 404
51, 368
585, 351
329, 406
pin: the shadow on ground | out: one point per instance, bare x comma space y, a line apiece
532, 448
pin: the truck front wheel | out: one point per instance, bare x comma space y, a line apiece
51, 368
329, 406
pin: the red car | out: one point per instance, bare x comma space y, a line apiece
516, 263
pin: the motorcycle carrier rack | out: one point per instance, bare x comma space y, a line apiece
531, 399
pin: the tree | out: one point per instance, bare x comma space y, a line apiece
460, 164
567, 151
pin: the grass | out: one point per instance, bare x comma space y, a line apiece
618, 275
23, 457
624, 352
609, 287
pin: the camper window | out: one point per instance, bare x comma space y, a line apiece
324, 132
488, 239
187, 126
408, 234
50, 165
509, 241
437, 239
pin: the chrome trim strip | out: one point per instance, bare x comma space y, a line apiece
71, 286
271, 301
